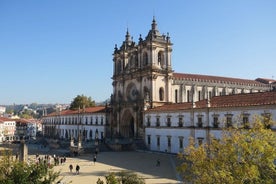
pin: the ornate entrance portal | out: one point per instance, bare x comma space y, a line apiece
127, 128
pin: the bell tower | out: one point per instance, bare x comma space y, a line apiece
141, 80
157, 71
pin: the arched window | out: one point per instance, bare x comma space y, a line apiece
145, 59
161, 94
160, 58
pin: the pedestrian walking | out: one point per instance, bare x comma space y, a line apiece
94, 159
77, 169
71, 167
158, 162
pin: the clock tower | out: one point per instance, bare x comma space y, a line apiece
142, 79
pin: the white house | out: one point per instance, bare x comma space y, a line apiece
7, 129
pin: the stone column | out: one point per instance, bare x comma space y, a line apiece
23, 151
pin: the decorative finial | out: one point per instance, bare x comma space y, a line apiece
168, 37
140, 38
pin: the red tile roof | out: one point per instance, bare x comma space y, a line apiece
97, 109
249, 99
237, 100
216, 79
2, 119
266, 81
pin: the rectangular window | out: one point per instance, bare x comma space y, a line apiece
180, 121
148, 121
199, 95
199, 122
149, 140
91, 121
229, 121
176, 95
102, 121
157, 121
188, 95
216, 123
200, 141
169, 141
168, 121
180, 142
210, 94
245, 121
96, 120
158, 141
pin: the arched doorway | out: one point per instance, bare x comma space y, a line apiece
127, 124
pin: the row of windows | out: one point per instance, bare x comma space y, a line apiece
199, 95
215, 123
169, 141
75, 120
68, 133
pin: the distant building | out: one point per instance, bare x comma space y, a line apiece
2, 110
89, 124
21, 130
7, 131
27, 129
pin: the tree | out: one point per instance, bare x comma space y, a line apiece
240, 156
81, 101
14, 171
27, 114
123, 177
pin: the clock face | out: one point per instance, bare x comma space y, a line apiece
132, 92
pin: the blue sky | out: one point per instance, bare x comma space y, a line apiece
53, 50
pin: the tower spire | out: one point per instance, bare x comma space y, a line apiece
128, 38
153, 33
153, 25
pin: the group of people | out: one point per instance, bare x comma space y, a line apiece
77, 168
59, 160
47, 159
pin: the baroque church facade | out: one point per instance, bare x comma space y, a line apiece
143, 79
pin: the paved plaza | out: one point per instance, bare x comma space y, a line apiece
142, 163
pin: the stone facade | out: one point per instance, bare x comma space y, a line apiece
143, 79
